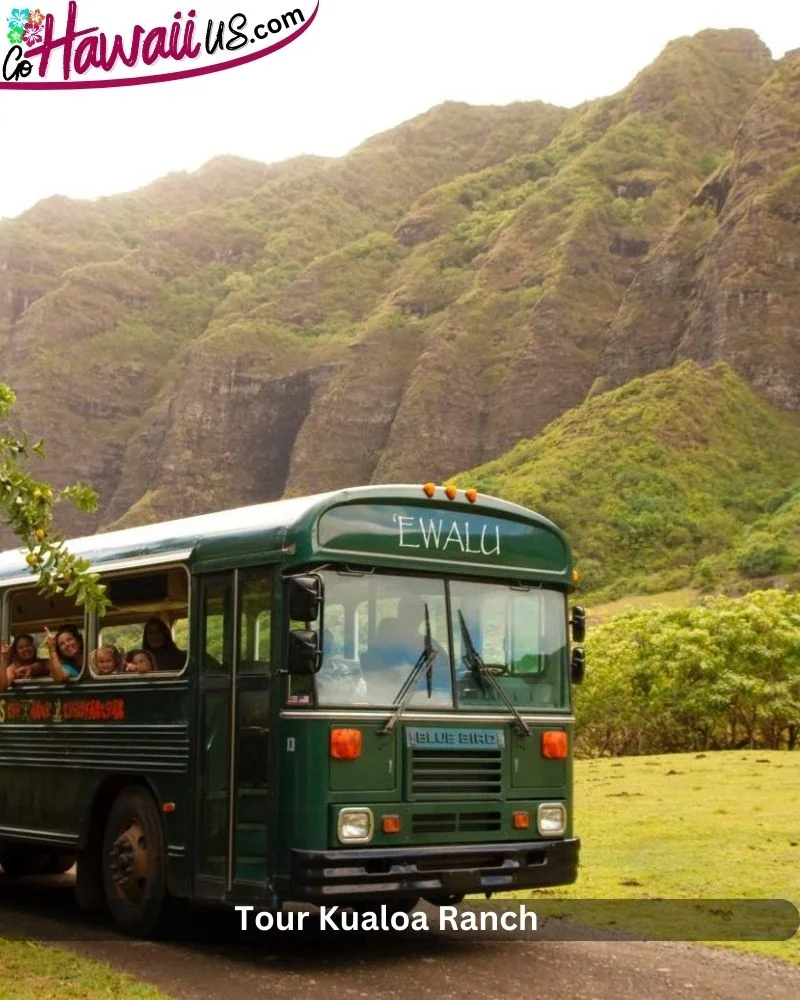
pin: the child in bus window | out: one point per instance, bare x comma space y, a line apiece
20, 660
139, 661
66, 652
106, 660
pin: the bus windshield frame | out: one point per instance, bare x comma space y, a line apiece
374, 628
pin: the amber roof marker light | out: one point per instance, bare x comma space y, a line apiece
429, 489
471, 495
450, 492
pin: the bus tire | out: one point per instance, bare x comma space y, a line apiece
58, 863
392, 906
134, 863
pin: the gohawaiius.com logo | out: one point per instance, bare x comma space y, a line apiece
58, 50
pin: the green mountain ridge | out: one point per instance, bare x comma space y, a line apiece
682, 477
440, 295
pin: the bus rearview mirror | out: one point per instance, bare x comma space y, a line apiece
578, 623
577, 666
305, 595
304, 657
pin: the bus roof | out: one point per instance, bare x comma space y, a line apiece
247, 535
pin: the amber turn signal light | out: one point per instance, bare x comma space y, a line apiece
471, 495
390, 824
575, 576
345, 744
554, 745
451, 492
429, 489
521, 820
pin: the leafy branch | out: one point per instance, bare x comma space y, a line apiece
27, 505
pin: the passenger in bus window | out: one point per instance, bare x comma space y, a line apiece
157, 640
106, 660
20, 660
66, 652
139, 661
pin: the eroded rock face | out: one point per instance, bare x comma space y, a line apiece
723, 286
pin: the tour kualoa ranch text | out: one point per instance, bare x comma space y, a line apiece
383, 918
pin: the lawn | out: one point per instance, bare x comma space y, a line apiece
691, 826
694, 826
34, 972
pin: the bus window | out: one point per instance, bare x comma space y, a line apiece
149, 612
30, 617
255, 622
375, 634
519, 636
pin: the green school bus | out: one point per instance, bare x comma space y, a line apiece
361, 697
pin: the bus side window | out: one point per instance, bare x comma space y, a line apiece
31, 616
255, 621
148, 615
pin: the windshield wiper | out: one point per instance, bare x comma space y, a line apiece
425, 662
481, 672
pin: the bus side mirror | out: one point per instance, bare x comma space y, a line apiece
304, 658
577, 666
305, 596
578, 623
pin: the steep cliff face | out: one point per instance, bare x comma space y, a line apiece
128, 322
725, 284
416, 307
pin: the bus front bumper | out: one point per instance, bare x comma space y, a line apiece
432, 872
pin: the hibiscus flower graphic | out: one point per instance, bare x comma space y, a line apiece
15, 36
33, 34
36, 17
19, 18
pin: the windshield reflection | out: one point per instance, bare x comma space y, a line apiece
375, 633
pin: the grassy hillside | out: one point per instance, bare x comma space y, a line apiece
659, 476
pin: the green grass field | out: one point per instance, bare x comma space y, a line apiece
35, 972
714, 826
691, 826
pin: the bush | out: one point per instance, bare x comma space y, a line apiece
718, 676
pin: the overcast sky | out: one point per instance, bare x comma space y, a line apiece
362, 67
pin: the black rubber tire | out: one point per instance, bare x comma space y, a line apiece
452, 900
59, 863
393, 906
134, 833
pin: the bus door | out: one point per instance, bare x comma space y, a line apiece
233, 759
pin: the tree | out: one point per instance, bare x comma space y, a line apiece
26, 506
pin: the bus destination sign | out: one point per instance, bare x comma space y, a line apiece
425, 533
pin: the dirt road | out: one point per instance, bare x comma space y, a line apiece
211, 958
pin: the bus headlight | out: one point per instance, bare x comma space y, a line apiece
551, 819
355, 826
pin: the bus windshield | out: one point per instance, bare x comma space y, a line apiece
377, 627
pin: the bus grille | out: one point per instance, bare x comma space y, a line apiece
465, 822
456, 774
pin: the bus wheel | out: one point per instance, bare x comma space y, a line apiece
451, 900
58, 863
395, 906
134, 863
